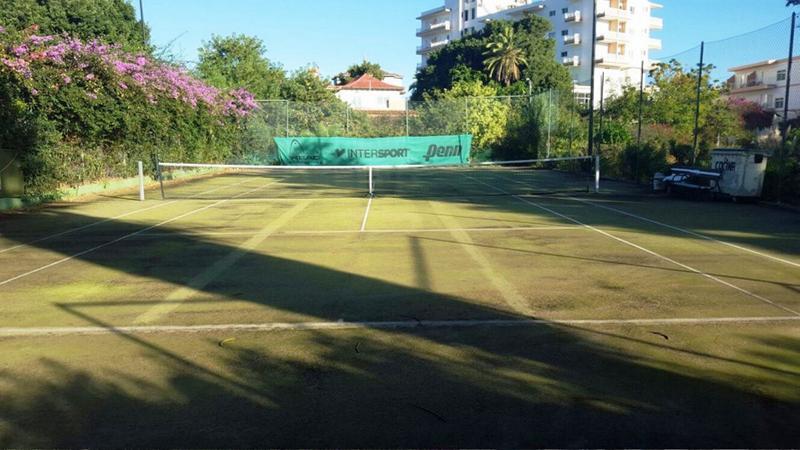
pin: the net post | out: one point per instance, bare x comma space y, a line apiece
371, 186
597, 173
160, 178
141, 181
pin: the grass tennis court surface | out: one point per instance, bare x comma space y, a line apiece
317, 317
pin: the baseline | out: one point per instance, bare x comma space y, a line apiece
406, 324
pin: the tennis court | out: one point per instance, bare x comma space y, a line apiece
471, 307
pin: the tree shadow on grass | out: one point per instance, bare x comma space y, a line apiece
536, 386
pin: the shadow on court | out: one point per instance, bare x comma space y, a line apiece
538, 386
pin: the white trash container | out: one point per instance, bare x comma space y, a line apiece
742, 171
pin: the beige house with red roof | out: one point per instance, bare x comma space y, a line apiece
367, 93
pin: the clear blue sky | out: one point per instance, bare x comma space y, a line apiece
336, 33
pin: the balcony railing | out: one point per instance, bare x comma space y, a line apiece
613, 36
573, 61
752, 85
434, 12
654, 44
573, 39
433, 28
572, 17
614, 14
656, 23
613, 60
429, 47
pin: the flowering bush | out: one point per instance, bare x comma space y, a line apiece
79, 111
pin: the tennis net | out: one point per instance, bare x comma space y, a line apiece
528, 177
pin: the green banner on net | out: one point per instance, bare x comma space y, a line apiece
389, 151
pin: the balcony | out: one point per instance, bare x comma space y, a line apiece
519, 12
613, 60
656, 23
572, 17
612, 36
751, 85
654, 44
571, 61
426, 48
574, 39
607, 14
433, 28
440, 11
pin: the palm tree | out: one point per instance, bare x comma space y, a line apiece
504, 58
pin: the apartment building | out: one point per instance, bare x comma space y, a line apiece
764, 83
623, 34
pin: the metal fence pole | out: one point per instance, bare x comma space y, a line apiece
141, 17
573, 110
466, 115
287, 118
697, 102
407, 117
347, 119
785, 133
549, 117
590, 143
599, 135
639, 132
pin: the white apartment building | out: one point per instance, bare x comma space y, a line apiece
623, 34
764, 83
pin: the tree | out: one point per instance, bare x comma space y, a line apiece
356, 70
464, 60
486, 116
112, 21
504, 57
792, 2
239, 61
305, 85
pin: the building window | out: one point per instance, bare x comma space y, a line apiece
782, 75
582, 99
564, 10
564, 32
552, 13
778, 102
473, 13
564, 54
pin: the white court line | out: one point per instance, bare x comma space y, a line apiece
199, 282
374, 231
689, 232
83, 227
651, 252
383, 325
366, 216
106, 244
100, 222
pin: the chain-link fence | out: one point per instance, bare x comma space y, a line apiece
734, 92
503, 128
